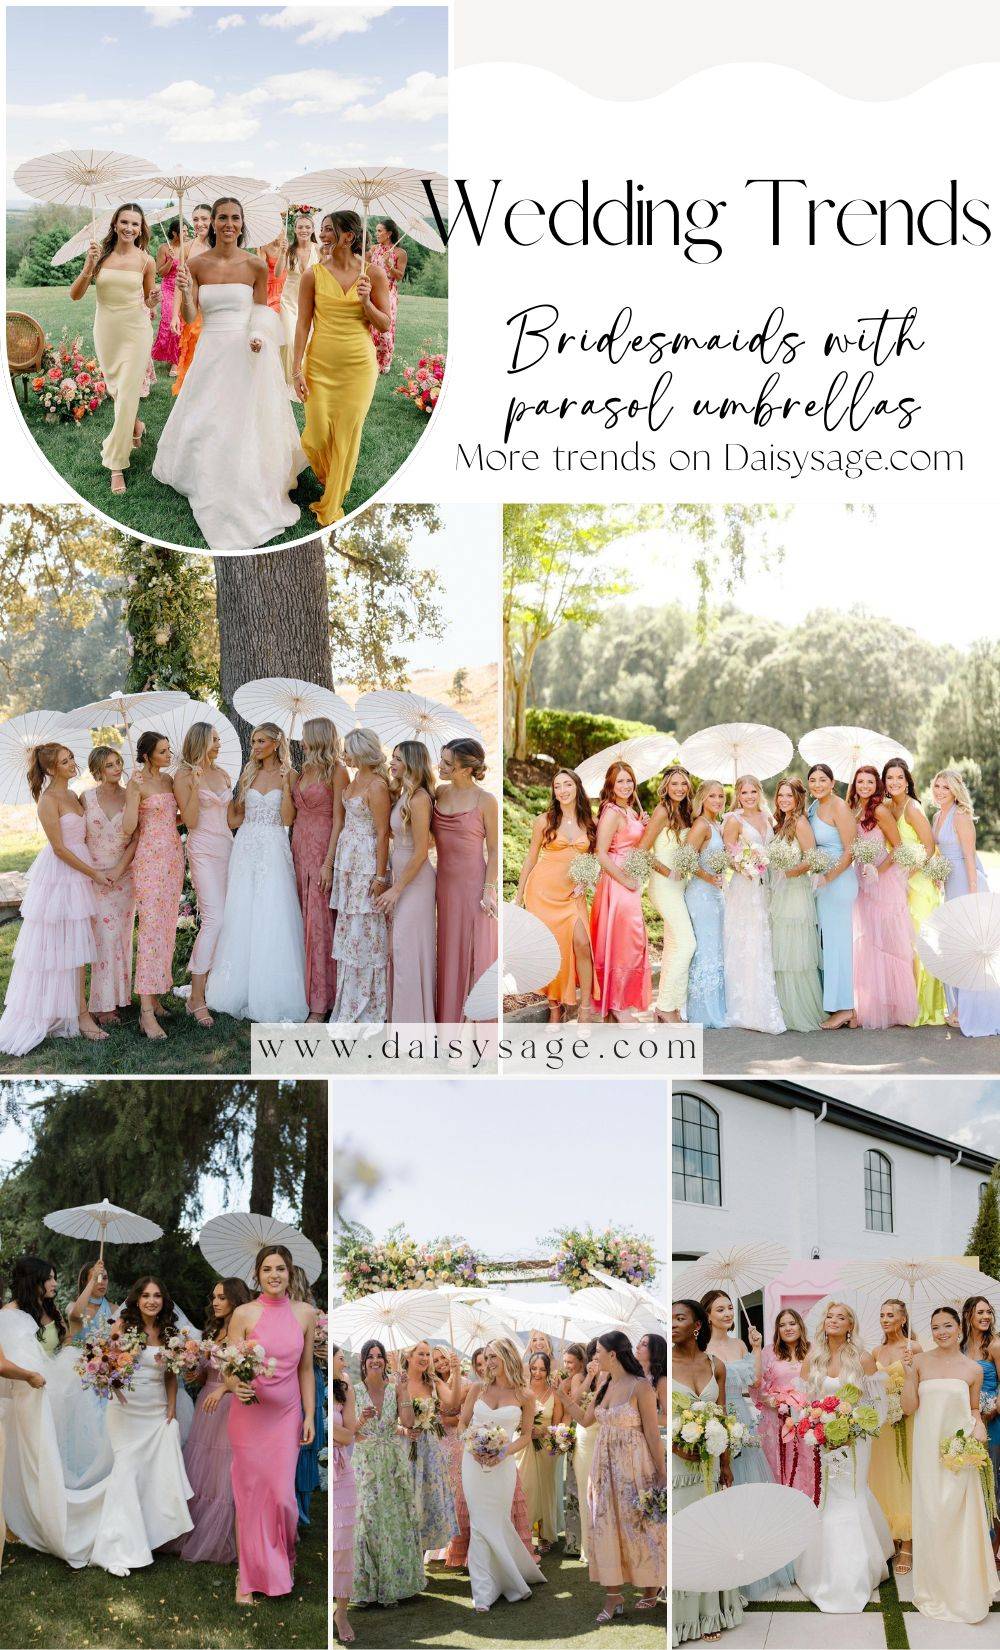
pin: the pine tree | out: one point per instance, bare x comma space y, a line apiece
460, 685
984, 1239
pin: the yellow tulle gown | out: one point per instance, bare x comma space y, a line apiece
923, 897
889, 1471
341, 373
122, 342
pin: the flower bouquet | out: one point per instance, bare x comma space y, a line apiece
938, 868
706, 1430
106, 1366
584, 872
637, 864
750, 860
716, 862
784, 854
560, 1440
487, 1444
819, 862
836, 1423
910, 856
866, 853
427, 1420
963, 1453
71, 386
321, 1332
684, 861
651, 1504
617, 1250
897, 1420
183, 1355
243, 1361
422, 383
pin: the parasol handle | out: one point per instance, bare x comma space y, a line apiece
451, 1332
128, 735
101, 1254
93, 215
364, 239
180, 220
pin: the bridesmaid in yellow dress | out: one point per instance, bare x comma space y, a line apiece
892, 1452
341, 302
544, 888
123, 276
668, 826
923, 896
538, 1467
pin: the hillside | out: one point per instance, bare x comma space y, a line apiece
480, 706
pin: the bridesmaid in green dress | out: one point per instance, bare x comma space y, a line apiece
697, 1375
923, 895
33, 1289
794, 934
388, 1559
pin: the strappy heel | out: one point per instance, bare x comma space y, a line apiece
609, 1615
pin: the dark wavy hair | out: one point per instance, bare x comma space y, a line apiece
28, 1277
874, 802
337, 1387
608, 790
658, 1356
614, 1341
146, 744
172, 228
546, 1360
702, 1327
583, 811
110, 240
227, 200
969, 1331
576, 1351
391, 228
710, 1297
821, 767
237, 1294
166, 1318
949, 1312
372, 1346
897, 762
346, 223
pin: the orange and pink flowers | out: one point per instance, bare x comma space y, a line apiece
422, 383
107, 1364
71, 387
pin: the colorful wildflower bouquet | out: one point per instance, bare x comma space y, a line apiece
584, 872
838, 1422
963, 1453
399, 1262
243, 1361
71, 385
622, 1253
561, 1439
422, 383
183, 1355
107, 1364
750, 860
651, 1504
427, 1420
706, 1430
487, 1443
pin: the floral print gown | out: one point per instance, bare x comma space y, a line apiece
388, 1557
158, 872
621, 1547
360, 935
427, 1461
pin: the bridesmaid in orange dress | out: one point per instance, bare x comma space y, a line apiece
466, 836
158, 871
628, 1456
276, 257
410, 900
392, 259
316, 793
565, 830
104, 808
203, 794
201, 218
622, 977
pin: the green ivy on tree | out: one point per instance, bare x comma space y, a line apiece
169, 602
984, 1239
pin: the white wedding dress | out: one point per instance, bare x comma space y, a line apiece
498, 1561
231, 444
145, 1504
259, 971
751, 994
846, 1558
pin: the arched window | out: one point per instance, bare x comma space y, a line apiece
878, 1192
696, 1158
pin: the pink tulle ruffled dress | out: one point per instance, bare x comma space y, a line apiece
264, 1438
56, 940
885, 991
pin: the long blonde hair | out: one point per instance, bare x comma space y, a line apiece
321, 747
851, 1368
417, 775
959, 790
698, 802
252, 768
363, 749
749, 779
509, 1357
196, 743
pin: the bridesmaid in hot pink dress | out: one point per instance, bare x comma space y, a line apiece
315, 793
207, 1455
885, 990
774, 1395
158, 870
265, 1436
466, 838
623, 980
104, 807
410, 900
392, 259
204, 793
167, 344
343, 1490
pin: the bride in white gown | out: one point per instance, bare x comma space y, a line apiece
847, 1557
498, 1562
231, 444
146, 1496
258, 972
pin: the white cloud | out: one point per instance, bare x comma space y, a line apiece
424, 96
232, 20
186, 110
315, 91
109, 40
164, 17
213, 126
324, 22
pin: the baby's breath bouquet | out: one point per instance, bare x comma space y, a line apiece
716, 861
637, 864
938, 868
866, 854
818, 861
785, 854
584, 872
683, 861
910, 856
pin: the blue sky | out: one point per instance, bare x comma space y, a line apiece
964, 1109
259, 91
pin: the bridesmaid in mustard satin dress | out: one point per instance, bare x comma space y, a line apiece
341, 302
544, 888
465, 823
923, 896
123, 276
892, 1451
203, 795
668, 826
158, 870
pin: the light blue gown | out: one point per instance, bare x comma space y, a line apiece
750, 1465
989, 1389
81, 1418
706, 1000
835, 912
978, 1011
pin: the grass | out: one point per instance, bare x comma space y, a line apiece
172, 1605
18, 849
391, 431
558, 1614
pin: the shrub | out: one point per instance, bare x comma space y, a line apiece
570, 735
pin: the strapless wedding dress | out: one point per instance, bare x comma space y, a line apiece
846, 1559
146, 1497
259, 971
231, 444
498, 1561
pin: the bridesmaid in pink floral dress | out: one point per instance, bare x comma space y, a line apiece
343, 1490
204, 793
885, 990
623, 979
104, 807
774, 1392
410, 900
390, 257
316, 791
466, 835
158, 871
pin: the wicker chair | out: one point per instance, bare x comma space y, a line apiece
25, 347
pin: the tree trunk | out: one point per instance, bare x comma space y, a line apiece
265, 1151
519, 691
315, 1205
273, 620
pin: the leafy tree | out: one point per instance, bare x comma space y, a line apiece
459, 687
618, 667
963, 727
169, 617
36, 267
58, 664
984, 1239
24, 227
47, 552
378, 599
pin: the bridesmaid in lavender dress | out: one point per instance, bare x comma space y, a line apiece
465, 823
104, 807
158, 870
316, 793
207, 1455
885, 987
976, 1013
203, 795
409, 901
360, 848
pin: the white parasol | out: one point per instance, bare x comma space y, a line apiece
530, 953
391, 191
396, 716
920, 1280
396, 1317
230, 1243
846, 749
645, 755
658, 1308
178, 183
174, 723
473, 1316
739, 1270
120, 709
288, 702
81, 177
617, 1309
558, 1318
418, 229
482, 1003
20, 735
103, 1221
959, 943
730, 749
263, 215
725, 1541
77, 244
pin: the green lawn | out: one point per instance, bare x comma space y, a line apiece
392, 429
170, 1604
560, 1613
18, 849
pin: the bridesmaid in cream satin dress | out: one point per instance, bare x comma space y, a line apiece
203, 794
668, 826
954, 1572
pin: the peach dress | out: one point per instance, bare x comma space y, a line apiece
622, 975
209, 846
111, 969
621, 1547
549, 896
467, 937
158, 872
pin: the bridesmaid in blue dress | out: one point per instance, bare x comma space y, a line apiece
835, 827
83, 1439
979, 1341
307, 1473
706, 903
976, 1013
